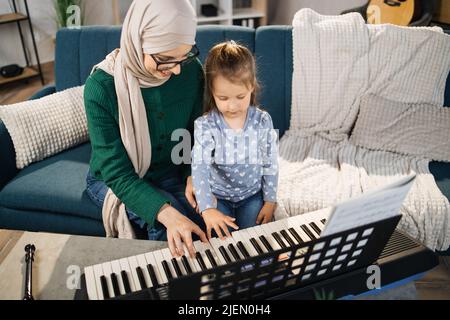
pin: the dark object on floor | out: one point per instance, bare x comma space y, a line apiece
11, 70
209, 10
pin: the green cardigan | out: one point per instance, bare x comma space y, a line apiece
173, 105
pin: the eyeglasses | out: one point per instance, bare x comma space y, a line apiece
167, 65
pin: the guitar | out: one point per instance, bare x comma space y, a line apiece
399, 12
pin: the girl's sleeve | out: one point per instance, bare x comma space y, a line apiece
269, 141
202, 157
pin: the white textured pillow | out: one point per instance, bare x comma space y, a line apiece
46, 126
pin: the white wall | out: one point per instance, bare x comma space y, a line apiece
100, 12
282, 11
42, 12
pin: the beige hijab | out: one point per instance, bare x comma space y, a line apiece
150, 26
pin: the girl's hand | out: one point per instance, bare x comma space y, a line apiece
179, 231
190, 195
214, 219
266, 213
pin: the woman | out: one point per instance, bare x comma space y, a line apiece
134, 100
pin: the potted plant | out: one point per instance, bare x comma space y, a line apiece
69, 13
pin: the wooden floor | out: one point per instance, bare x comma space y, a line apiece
435, 285
21, 90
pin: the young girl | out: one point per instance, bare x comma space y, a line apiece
234, 167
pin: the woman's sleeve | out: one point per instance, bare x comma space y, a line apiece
202, 152
116, 169
269, 146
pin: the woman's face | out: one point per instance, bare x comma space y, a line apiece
177, 54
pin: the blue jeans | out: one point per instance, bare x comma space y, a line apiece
245, 211
172, 187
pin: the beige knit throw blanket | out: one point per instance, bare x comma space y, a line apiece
342, 65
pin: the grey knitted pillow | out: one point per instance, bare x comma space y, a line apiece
421, 130
46, 126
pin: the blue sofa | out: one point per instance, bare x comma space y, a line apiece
50, 195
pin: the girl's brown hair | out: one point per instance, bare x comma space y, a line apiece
235, 63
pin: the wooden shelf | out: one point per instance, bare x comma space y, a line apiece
12, 17
27, 73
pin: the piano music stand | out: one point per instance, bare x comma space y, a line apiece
281, 271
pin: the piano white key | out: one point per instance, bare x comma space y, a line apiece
298, 221
142, 262
306, 220
98, 272
168, 257
255, 235
154, 258
274, 228
225, 242
107, 270
201, 248
244, 237
216, 243
125, 266
316, 220
115, 266
132, 261
192, 261
267, 232
90, 283
288, 224
232, 240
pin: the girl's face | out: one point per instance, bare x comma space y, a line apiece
151, 61
232, 99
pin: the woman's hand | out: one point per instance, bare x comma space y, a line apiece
179, 231
266, 213
214, 219
190, 195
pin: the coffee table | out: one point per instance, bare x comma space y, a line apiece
59, 261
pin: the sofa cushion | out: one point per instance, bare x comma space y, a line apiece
44, 127
55, 185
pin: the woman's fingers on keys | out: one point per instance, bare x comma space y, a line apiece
187, 239
179, 245
198, 231
172, 246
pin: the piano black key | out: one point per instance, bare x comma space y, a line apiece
211, 258
200, 261
244, 251
141, 278
234, 252
225, 254
266, 243
104, 287
307, 231
323, 221
315, 227
186, 265
176, 267
167, 270
256, 246
126, 282
151, 272
287, 237
276, 236
296, 235
115, 284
